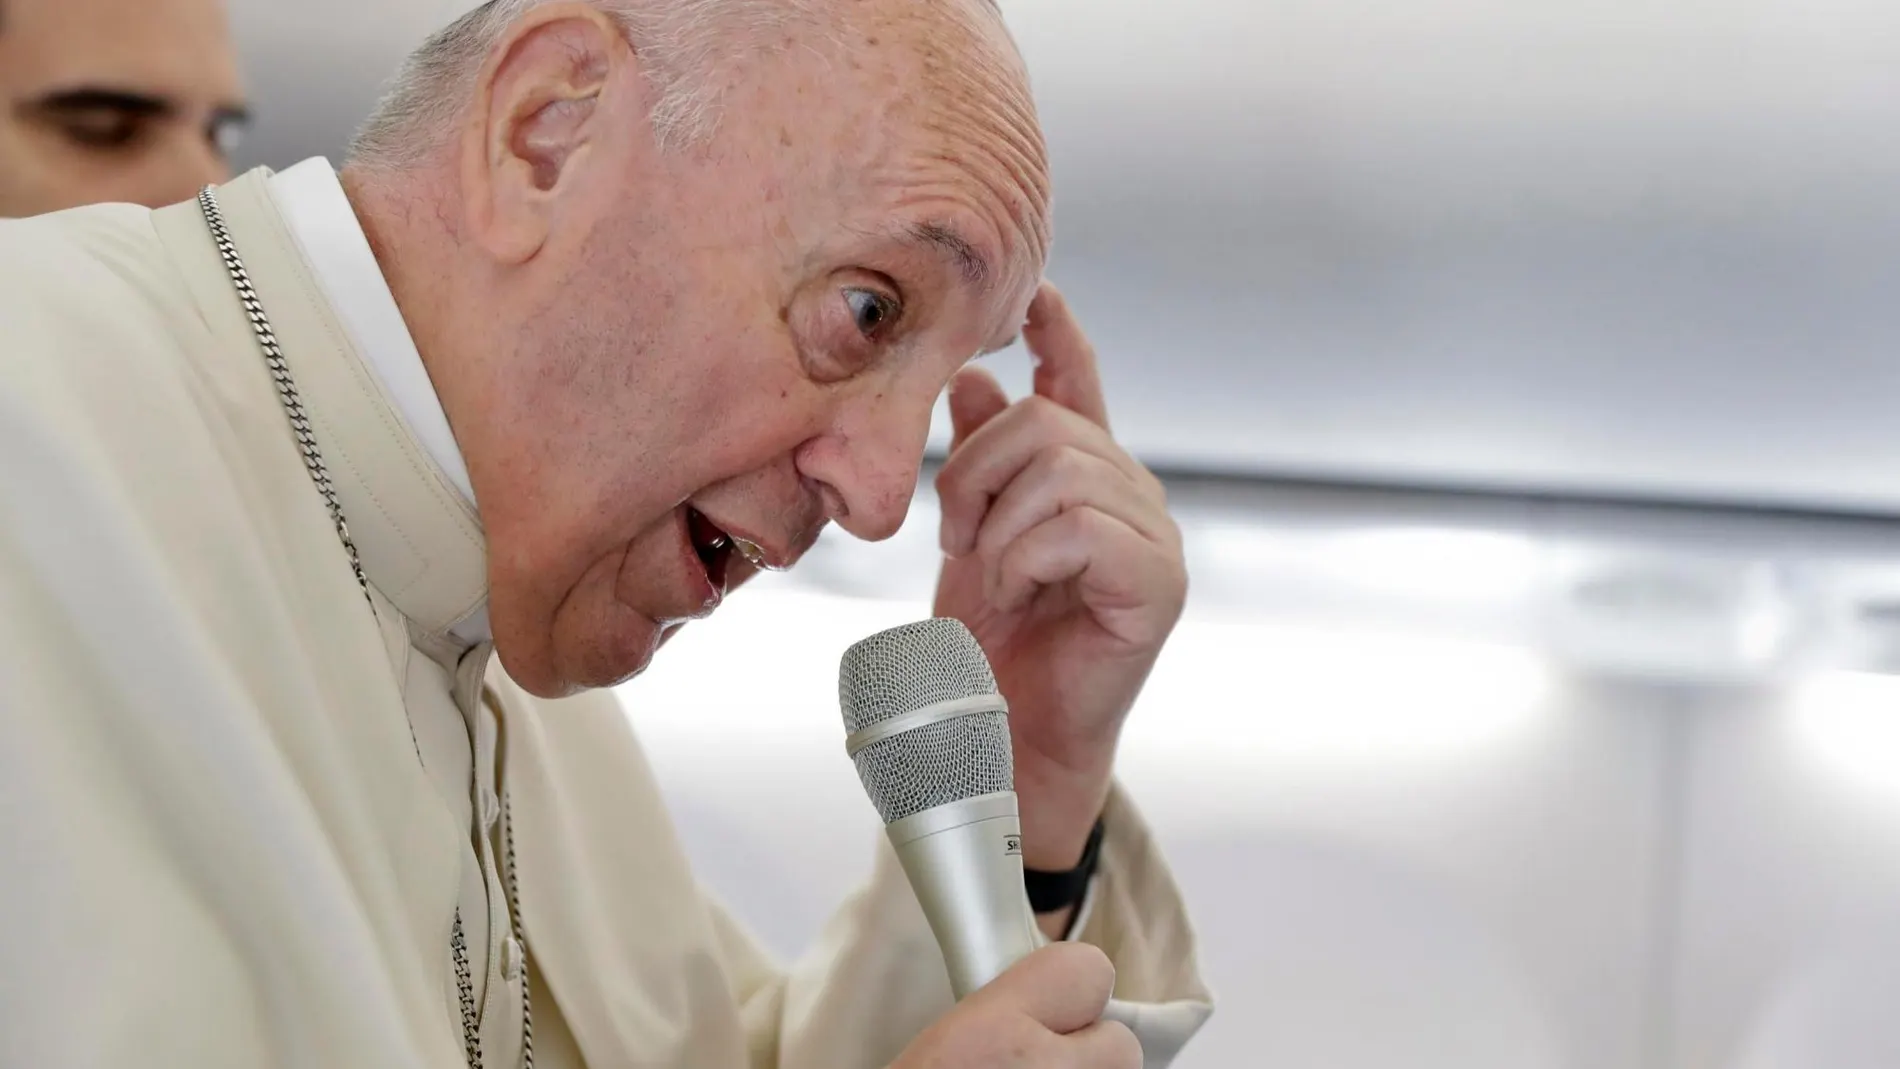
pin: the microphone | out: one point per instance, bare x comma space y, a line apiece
929, 735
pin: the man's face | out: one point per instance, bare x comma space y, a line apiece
113, 100
746, 340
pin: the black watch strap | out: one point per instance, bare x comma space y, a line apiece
1051, 892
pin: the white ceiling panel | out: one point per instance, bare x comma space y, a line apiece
1611, 247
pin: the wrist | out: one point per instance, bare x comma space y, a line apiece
1059, 810
1059, 891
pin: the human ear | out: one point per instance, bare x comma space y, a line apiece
536, 123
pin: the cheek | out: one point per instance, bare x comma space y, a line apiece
748, 403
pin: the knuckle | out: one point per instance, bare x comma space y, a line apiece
1068, 462
950, 480
1055, 472
1092, 522
993, 551
1156, 487
1042, 413
1175, 539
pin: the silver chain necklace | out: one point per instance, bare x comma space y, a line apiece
319, 474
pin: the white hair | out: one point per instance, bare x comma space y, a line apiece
684, 45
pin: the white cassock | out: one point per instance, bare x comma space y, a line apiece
240, 812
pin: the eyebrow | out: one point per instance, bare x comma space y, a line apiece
970, 263
88, 98
968, 260
128, 102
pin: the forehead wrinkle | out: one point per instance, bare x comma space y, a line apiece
1005, 132
967, 89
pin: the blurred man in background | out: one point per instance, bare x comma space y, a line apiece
114, 100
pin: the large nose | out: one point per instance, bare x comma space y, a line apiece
868, 461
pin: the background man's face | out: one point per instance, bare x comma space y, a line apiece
113, 100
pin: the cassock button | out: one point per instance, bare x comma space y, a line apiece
491, 809
511, 960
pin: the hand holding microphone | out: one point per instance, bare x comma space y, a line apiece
1043, 1013
1063, 577
930, 737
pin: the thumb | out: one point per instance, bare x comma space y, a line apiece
975, 399
1062, 986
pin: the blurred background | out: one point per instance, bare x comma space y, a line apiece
1525, 377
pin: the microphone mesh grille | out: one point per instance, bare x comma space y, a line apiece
904, 669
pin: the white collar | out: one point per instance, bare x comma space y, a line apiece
318, 214
320, 218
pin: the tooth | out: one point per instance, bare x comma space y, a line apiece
750, 551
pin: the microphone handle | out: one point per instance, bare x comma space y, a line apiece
964, 861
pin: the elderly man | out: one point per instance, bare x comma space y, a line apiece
114, 100
614, 303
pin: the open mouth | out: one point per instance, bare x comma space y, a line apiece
713, 545
716, 547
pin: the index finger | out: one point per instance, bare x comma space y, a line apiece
1066, 372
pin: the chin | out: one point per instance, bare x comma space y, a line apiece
608, 661
562, 666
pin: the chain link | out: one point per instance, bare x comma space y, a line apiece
465, 987
313, 462
286, 386
521, 938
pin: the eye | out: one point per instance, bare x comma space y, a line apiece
871, 311
103, 130
225, 134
